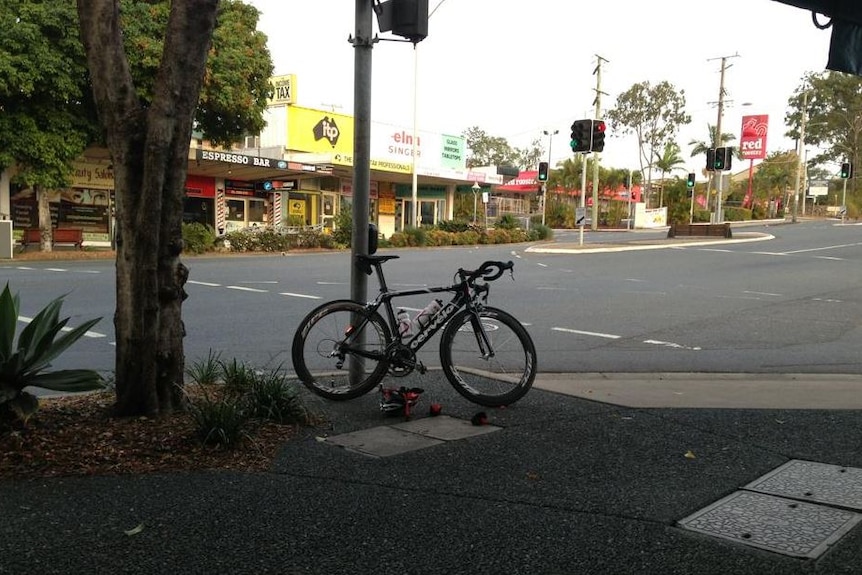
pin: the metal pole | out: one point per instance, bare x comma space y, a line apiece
545, 186
582, 202
844, 201
414, 220
631, 223
362, 44
717, 143
595, 210
800, 145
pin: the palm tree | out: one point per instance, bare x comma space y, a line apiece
669, 161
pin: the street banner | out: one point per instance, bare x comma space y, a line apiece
752, 144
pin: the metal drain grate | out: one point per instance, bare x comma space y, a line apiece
815, 482
773, 523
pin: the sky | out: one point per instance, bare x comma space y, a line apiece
516, 69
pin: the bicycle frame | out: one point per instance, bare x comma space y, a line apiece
462, 298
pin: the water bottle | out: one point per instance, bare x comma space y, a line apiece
425, 316
405, 327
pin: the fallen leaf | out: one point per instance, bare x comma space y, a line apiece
533, 476
135, 531
690, 454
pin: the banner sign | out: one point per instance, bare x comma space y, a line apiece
752, 144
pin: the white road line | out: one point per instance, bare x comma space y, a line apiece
826, 300
670, 344
260, 282
592, 333
94, 334
768, 253
633, 280
24, 268
716, 250
834, 259
55, 270
208, 284
542, 265
825, 248
551, 288
332, 283
242, 288
762, 293
299, 295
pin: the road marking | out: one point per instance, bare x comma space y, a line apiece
763, 293
93, 334
332, 283
825, 248
670, 344
55, 270
716, 250
634, 280
299, 295
768, 253
834, 259
592, 333
826, 300
208, 284
551, 288
260, 282
242, 288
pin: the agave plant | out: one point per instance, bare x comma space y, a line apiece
38, 344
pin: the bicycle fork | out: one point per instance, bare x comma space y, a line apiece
485, 348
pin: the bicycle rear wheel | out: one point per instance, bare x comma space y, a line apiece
339, 350
496, 377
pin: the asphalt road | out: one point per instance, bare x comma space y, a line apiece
788, 305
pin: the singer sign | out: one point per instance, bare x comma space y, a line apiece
753, 141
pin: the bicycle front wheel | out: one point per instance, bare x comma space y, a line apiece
339, 350
493, 372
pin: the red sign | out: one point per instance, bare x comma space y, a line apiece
752, 144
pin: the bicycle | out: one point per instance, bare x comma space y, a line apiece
342, 349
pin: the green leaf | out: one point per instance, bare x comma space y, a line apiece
8, 322
24, 405
70, 380
49, 348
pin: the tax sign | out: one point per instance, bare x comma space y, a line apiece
752, 144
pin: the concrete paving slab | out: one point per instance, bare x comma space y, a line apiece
774, 523
445, 428
815, 482
382, 441
712, 390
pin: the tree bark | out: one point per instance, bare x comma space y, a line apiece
43, 211
149, 147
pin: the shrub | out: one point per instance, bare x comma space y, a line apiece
198, 238
506, 222
219, 419
206, 371
38, 344
271, 398
452, 226
343, 232
416, 237
542, 232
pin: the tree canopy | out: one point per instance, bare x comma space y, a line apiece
654, 114
486, 150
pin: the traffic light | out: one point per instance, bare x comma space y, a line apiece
710, 159
720, 156
846, 170
598, 132
543, 171
690, 181
728, 157
582, 131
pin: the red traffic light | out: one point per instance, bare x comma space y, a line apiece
598, 126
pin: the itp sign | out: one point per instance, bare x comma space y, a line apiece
752, 144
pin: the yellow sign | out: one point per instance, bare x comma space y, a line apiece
283, 90
319, 131
92, 175
386, 202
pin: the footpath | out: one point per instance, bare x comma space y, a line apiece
588, 474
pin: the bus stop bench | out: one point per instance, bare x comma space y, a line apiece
706, 230
62, 236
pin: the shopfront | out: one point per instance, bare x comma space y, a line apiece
244, 206
199, 201
87, 204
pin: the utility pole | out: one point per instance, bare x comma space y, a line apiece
799, 151
362, 45
598, 115
718, 217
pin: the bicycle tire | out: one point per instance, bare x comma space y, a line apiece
496, 381
325, 371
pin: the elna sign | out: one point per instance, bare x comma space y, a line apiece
752, 144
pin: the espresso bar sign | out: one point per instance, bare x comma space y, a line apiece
241, 159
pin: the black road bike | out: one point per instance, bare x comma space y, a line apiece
343, 349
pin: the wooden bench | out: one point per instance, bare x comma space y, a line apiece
62, 236
706, 230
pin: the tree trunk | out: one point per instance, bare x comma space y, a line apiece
43, 210
149, 144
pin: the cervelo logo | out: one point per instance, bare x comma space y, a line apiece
327, 129
436, 322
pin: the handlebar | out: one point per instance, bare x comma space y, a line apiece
488, 271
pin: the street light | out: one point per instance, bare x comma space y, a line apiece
544, 184
476, 188
415, 194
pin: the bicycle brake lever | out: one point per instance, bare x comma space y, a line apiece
512, 273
